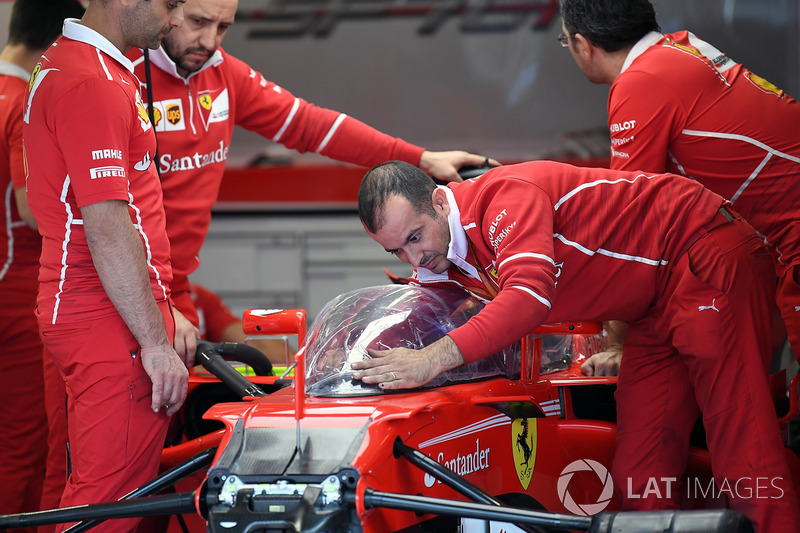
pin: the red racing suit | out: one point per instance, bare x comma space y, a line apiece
23, 439
681, 106
194, 119
75, 160
547, 242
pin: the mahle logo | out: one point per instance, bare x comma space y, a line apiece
583, 508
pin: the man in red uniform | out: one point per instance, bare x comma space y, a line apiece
679, 105
103, 308
33, 27
547, 242
200, 93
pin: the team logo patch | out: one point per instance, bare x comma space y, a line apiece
140, 108
36, 70
144, 120
144, 164
523, 436
685, 48
205, 102
157, 116
174, 114
763, 84
106, 172
168, 115
213, 106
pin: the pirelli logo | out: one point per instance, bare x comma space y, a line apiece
106, 172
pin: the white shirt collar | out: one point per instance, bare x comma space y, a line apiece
76, 31
638, 49
160, 59
458, 250
12, 69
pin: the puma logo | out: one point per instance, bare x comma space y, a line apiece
704, 307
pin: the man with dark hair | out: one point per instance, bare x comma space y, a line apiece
200, 92
103, 305
33, 27
679, 105
613, 26
656, 250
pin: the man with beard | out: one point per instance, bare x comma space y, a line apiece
103, 305
200, 93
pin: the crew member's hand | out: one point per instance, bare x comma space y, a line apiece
603, 363
401, 368
444, 165
169, 377
186, 336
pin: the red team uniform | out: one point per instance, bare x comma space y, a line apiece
87, 140
194, 119
681, 106
23, 439
545, 242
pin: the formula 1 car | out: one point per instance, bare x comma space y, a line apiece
519, 441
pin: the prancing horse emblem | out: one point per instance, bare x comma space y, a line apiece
523, 434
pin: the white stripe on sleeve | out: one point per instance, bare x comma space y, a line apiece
542, 299
330, 133
526, 254
288, 120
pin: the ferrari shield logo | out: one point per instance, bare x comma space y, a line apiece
523, 435
213, 106
36, 70
764, 84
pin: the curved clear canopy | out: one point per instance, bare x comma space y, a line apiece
413, 316
391, 316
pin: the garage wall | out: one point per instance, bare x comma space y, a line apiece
482, 75
291, 260
480, 79
485, 78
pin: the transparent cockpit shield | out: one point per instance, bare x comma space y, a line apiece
391, 316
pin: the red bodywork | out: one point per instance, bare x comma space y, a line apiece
517, 440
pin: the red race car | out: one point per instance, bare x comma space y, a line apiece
522, 429
519, 441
